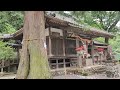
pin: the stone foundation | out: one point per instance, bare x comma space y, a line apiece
79, 71
112, 69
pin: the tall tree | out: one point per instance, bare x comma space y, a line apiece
34, 62
106, 20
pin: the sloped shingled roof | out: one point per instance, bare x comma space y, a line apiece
55, 22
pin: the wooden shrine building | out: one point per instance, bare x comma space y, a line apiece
69, 44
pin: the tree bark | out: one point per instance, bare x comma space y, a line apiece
34, 61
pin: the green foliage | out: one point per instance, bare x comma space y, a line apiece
6, 52
8, 28
100, 39
106, 20
115, 42
10, 21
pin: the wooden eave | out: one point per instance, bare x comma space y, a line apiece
91, 32
64, 25
18, 35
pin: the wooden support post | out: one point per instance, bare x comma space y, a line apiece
15, 69
64, 66
64, 43
64, 63
106, 40
78, 57
2, 71
92, 52
77, 45
9, 69
18, 55
86, 47
50, 53
9, 66
100, 59
57, 64
2, 67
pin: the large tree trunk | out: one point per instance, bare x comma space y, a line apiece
34, 61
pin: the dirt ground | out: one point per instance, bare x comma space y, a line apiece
95, 76
99, 76
8, 76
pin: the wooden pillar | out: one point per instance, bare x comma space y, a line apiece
15, 69
86, 47
78, 56
92, 52
50, 53
2, 70
64, 66
56, 63
100, 58
64, 42
18, 55
106, 40
77, 45
64, 33
64, 63
8, 66
9, 69
2, 67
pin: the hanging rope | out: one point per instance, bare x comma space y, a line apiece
30, 39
